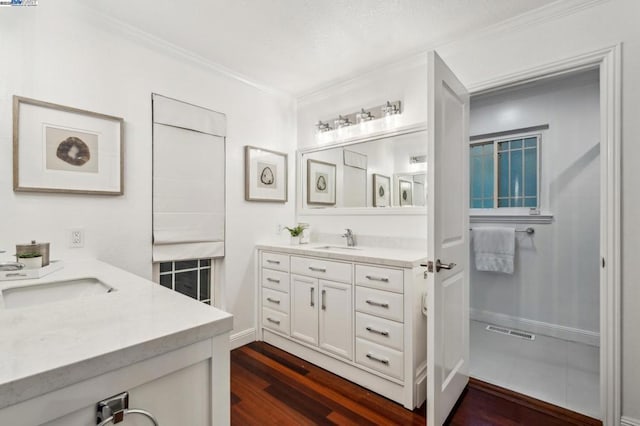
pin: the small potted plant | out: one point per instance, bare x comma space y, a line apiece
295, 233
30, 260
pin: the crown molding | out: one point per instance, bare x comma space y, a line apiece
144, 38
551, 11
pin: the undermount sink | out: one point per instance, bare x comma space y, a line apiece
38, 294
336, 248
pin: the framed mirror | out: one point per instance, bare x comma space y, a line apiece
381, 174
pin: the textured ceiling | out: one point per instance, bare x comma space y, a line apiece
299, 45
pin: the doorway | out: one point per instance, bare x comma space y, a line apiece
566, 301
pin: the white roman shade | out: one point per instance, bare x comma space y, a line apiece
188, 181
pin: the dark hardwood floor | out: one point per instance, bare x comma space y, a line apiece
272, 387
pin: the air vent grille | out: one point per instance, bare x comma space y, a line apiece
510, 332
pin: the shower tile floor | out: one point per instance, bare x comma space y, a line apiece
556, 371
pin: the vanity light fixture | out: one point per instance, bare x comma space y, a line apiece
322, 126
342, 121
391, 108
364, 116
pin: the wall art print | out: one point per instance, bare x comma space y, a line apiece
63, 149
265, 175
406, 192
321, 183
381, 191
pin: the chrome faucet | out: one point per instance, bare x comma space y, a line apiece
351, 239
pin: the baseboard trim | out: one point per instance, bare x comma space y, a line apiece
242, 338
537, 327
628, 421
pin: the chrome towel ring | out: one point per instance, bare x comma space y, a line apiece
125, 413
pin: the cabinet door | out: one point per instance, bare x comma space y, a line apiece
336, 325
304, 309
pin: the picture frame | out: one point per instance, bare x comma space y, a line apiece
405, 192
266, 175
321, 183
381, 191
61, 149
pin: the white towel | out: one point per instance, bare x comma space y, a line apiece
494, 249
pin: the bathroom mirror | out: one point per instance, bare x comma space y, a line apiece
382, 173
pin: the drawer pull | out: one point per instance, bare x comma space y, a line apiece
373, 330
276, 262
380, 360
276, 322
317, 269
373, 303
324, 300
382, 279
312, 303
276, 301
273, 280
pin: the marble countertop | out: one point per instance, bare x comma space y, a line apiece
52, 345
379, 255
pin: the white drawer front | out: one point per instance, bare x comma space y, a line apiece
320, 268
380, 330
275, 300
380, 303
380, 358
275, 320
275, 261
381, 278
276, 280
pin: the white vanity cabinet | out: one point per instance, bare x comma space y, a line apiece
357, 314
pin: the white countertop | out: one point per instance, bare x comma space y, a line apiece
378, 255
49, 346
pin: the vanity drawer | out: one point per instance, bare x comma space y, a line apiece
380, 358
381, 278
275, 320
380, 303
275, 261
380, 330
276, 280
275, 300
319, 268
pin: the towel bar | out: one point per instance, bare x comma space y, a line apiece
529, 230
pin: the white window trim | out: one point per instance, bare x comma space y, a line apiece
512, 214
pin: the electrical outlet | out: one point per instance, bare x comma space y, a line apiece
77, 238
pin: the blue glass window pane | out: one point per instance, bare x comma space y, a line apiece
503, 175
488, 203
503, 202
503, 145
488, 149
476, 149
516, 174
476, 204
530, 172
488, 176
531, 202
476, 177
516, 144
516, 202
530, 142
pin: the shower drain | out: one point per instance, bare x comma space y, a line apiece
510, 332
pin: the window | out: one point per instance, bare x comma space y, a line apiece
504, 173
189, 277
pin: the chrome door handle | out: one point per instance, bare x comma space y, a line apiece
374, 303
373, 330
380, 360
440, 265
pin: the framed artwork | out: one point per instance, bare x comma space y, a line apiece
321, 182
265, 175
63, 149
381, 191
406, 192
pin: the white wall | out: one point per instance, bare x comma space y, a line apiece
484, 57
405, 81
62, 53
556, 278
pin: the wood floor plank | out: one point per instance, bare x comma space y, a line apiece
272, 387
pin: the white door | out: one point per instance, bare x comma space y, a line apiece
336, 335
304, 309
447, 236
